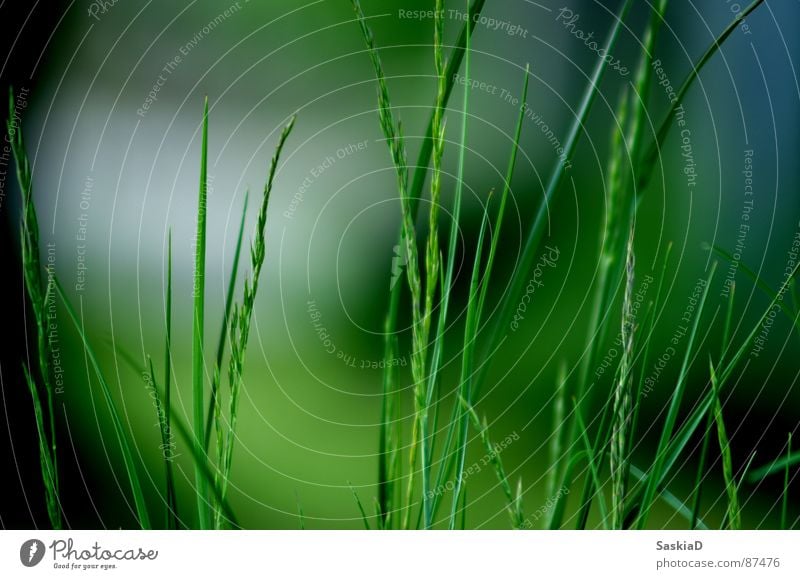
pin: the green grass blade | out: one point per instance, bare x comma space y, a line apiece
701, 466
172, 498
540, 222
734, 518
672, 414
677, 505
40, 295
590, 457
557, 437
361, 510
465, 383
650, 158
223, 332
242, 315
122, 436
762, 285
45, 459
166, 454
176, 421
512, 162
620, 435
785, 497
198, 325
513, 502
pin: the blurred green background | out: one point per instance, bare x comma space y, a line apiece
121, 168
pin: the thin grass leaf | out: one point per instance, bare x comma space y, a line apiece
122, 435
198, 329
775, 467
540, 222
242, 316
172, 497
513, 503
186, 434
590, 457
465, 382
654, 476
448, 460
361, 510
166, 455
791, 314
677, 505
557, 437
213, 405
701, 466
619, 459
651, 157
45, 459
300, 513
557, 515
39, 298
425, 388
785, 497
734, 518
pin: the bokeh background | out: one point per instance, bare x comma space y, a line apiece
113, 131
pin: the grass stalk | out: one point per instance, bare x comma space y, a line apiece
465, 381
116, 421
785, 496
734, 517
213, 405
40, 298
198, 325
172, 499
672, 414
619, 459
242, 315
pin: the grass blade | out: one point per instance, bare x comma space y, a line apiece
176, 421
361, 510
198, 324
785, 497
672, 414
650, 158
166, 444
590, 457
40, 297
465, 383
242, 316
513, 506
172, 499
734, 518
619, 459
537, 230
122, 436
223, 332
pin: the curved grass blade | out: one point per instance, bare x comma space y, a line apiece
650, 158
785, 497
122, 435
734, 518
470, 335
166, 445
39, 297
242, 315
223, 332
537, 230
185, 433
654, 476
